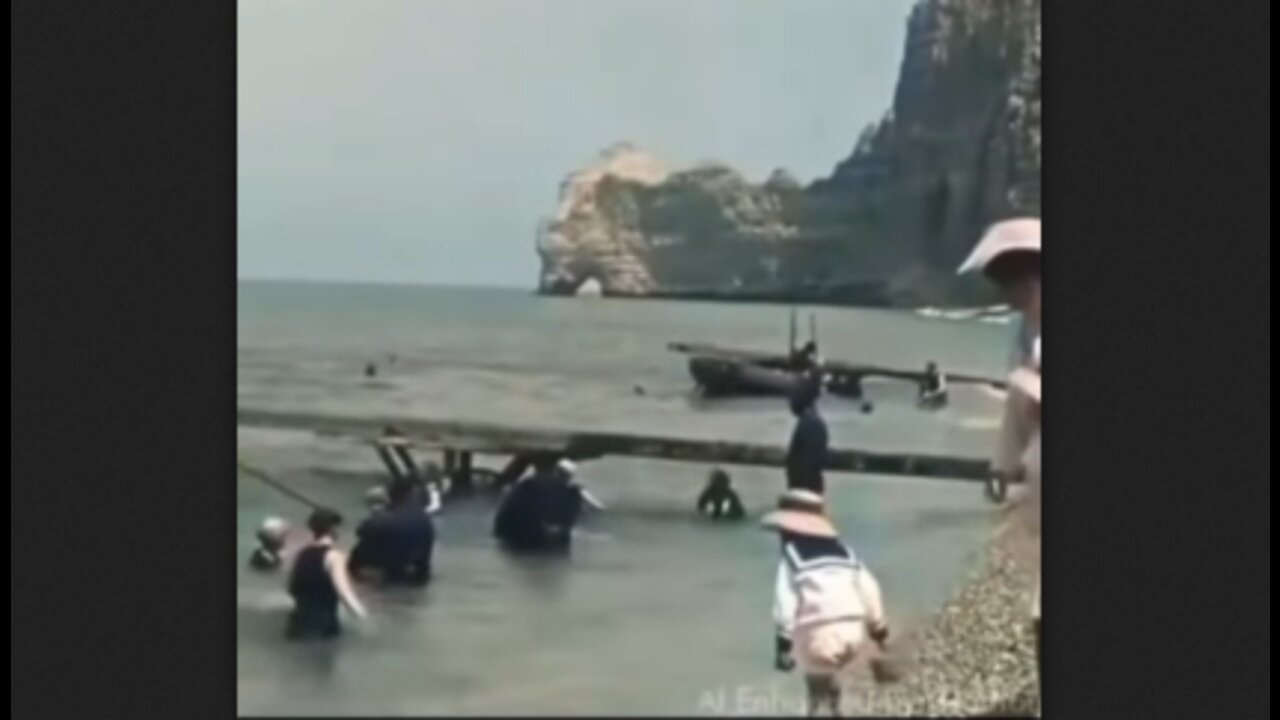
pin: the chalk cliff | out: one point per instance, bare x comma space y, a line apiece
959, 149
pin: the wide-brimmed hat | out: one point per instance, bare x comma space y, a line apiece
802, 512
1018, 235
1026, 381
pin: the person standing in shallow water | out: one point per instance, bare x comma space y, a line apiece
395, 545
366, 556
319, 582
807, 453
538, 513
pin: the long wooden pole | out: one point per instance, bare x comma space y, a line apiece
266, 479
503, 440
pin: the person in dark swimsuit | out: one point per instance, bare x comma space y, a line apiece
395, 545
718, 500
365, 559
807, 453
538, 514
319, 582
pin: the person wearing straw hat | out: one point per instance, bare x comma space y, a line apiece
1009, 256
828, 608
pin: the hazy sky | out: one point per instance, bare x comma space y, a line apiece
421, 140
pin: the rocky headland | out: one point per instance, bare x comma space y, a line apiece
958, 149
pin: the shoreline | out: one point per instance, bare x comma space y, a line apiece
976, 656
867, 297
954, 311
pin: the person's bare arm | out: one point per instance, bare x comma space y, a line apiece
433, 499
705, 501
1015, 432
591, 500
337, 567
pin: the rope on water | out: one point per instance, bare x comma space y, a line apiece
266, 479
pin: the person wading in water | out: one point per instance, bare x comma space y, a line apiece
538, 513
395, 544
719, 501
807, 454
319, 582
933, 390
269, 555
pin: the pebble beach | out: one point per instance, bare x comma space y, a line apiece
977, 656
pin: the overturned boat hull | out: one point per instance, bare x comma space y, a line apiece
721, 378
718, 377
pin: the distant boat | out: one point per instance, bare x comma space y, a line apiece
730, 377
728, 372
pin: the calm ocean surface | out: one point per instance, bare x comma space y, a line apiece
655, 612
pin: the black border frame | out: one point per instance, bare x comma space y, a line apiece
1157, 211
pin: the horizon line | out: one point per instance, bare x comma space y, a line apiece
478, 285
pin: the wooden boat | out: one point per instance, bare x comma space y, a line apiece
726, 372
726, 377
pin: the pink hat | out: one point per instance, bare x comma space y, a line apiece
802, 512
1022, 234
